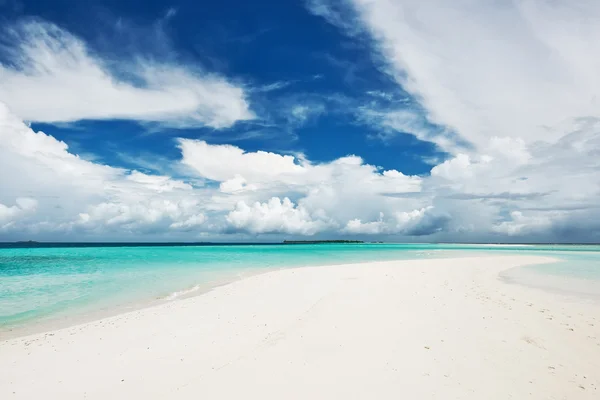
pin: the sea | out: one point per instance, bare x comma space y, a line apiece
59, 284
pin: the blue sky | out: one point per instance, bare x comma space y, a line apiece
383, 120
259, 45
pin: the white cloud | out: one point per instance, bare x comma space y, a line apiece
516, 70
225, 162
156, 182
520, 224
514, 191
334, 14
74, 197
260, 169
273, 86
336, 191
275, 216
511, 92
514, 150
235, 185
53, 76
171, 12
373, 227
531, 172
195, 221
407, 121
419, 222
55, 191
457, 167
301, 113
153, 214
23, 206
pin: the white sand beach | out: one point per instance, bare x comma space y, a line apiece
424, 329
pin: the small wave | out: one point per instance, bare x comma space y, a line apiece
500, 245
426, 253
183, 292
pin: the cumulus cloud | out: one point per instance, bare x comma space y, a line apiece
49, 190
208, 161
245, 170
22, 207
236, 184
335, 191
50, 75
373, 227
155, 214
419, 222
45, 188
195, 221
519, 224
275, 216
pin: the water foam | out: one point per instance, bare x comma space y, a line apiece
183, 292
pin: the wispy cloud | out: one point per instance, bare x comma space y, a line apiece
171, 12
52, 76
516, 69
273, 86
336, 13
278, 85
302, 113
388, 123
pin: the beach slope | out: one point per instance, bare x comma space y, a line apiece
423, 329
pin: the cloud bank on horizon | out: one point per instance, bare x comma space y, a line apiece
507, 93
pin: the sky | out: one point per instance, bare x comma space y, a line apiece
377, 120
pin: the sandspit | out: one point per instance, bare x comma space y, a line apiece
423, 329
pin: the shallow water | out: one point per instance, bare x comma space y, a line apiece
576, 273
38, 284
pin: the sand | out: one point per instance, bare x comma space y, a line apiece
424, 329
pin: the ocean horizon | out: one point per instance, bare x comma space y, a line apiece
50, 244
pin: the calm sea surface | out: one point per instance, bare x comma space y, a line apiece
45, 284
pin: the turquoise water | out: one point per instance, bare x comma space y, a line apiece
579, 265
38, 284
577, 273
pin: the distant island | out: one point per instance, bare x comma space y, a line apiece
320, 241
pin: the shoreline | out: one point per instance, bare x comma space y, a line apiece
81, 317
412, 328
578, 288
77, 314
531, 280
57, 322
